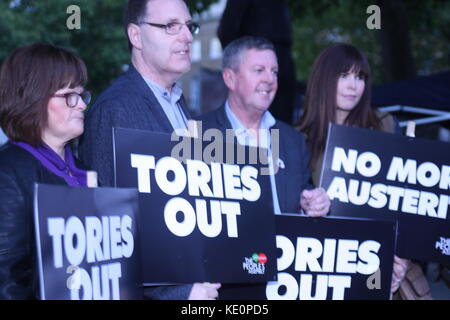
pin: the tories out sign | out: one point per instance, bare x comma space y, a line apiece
383, 176
87, 243
327, 258
201, 220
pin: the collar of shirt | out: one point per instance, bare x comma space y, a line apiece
244, 136
171, 97
169, 101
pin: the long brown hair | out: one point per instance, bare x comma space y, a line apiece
320, 98
28, 78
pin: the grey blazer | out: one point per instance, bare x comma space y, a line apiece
127, 103
295, 176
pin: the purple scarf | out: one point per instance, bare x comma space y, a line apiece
53, 162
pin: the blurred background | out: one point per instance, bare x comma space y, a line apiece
409, 50
409, 53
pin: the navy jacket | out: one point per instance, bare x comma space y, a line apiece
295, 177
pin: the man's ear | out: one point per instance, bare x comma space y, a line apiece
134, 34
229, 77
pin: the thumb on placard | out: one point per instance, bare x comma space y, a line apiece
307, 194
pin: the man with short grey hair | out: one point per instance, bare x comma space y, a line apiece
250, 70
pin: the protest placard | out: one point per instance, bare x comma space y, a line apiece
326, 258
379, 175
87, 243
200, 219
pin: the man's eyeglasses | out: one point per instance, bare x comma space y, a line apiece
72, 98
175, 27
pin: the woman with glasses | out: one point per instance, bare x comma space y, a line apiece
42, 101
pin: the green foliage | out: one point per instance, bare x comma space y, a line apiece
318, 23
430, 34
197, 6
100, 41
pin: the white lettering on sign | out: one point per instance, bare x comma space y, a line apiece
336, 256
215, 180
395, 198
93, 240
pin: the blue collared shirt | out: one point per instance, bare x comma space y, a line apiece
246, 138
169, 101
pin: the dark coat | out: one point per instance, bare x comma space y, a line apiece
291, 180
19, 170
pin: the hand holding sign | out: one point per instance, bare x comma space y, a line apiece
315, 203
401, 266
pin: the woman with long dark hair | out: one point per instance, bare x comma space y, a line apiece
339, 91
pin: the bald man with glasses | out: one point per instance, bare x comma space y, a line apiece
147, 97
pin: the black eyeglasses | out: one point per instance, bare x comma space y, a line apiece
175, 27
72, 98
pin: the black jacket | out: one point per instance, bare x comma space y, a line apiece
19, 170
